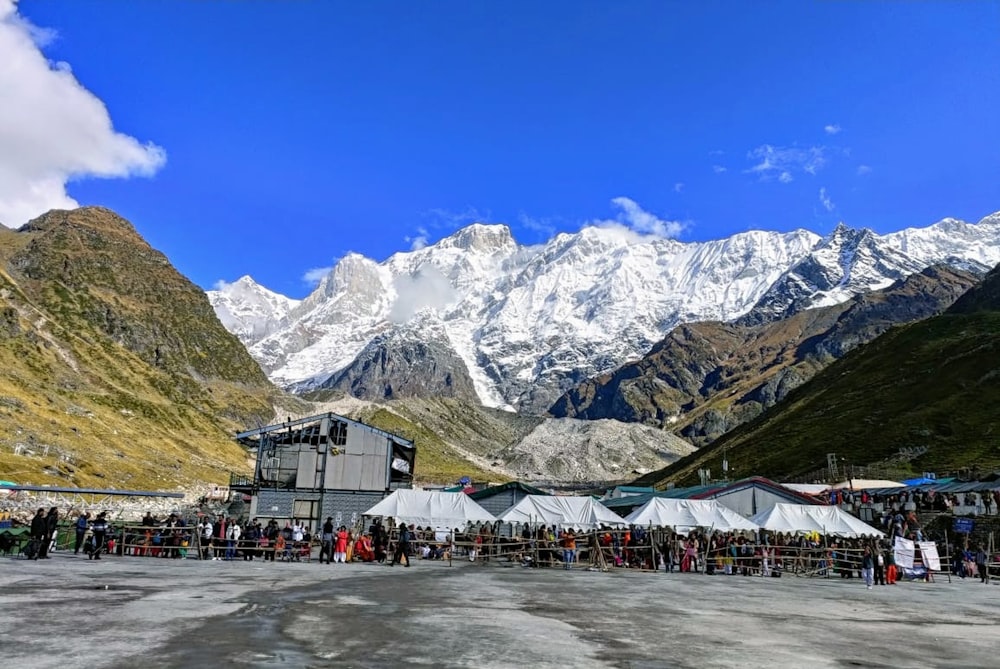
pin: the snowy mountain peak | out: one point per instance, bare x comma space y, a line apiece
249, 310
482, 237
530, 322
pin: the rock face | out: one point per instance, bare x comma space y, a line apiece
928, 387
115, 369
531, 323
402, 363
704, 379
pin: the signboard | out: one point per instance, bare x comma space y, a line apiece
929, 555
962, 525
902, 552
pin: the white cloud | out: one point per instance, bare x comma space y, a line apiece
719, 169
52, 129
863, 170
825, 200
221, 284
781, 162
313, 276
636, 219
544, 227
831, 129
452, 220
427, 288
417, 241
678, 187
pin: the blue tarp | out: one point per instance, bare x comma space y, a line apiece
918, 481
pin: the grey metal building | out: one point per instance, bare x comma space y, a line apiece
323, 465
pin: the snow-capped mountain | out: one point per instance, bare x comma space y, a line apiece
249, 310
531, 321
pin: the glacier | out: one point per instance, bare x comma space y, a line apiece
531, 321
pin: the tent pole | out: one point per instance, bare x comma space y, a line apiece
989, 556
652, 545
451, 541
947, 549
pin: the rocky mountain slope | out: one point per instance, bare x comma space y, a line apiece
932, 384
457, 438
706, 378
530, 323
114, 370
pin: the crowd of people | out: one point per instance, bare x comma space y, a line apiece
735, 553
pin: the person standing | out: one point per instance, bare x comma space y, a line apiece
326, 547
340, 550
82, 524
981, 563
205, 536
39, 526
568, 540
402, 546
879, 566
867, 567
100, 530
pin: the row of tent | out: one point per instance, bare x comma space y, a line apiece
453, 510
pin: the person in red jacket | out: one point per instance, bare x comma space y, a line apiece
340, 550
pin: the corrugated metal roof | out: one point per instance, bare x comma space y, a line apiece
513, 485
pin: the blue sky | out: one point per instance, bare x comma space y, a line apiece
270, 138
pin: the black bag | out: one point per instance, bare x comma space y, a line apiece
31, 549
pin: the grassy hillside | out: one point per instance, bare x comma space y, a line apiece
934, 383
114, 370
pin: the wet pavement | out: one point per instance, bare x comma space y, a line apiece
142, 612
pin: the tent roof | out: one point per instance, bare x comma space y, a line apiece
486, 493
711, 491
797, 519
865, 484
431, 508
565, 511
807, 488
685, 515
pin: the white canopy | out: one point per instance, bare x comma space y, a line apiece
431, 508
796, 519
582, 513
685, 515
808, 488
867, 484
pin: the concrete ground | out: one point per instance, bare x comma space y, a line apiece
142, 612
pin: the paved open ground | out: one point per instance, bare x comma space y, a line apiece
135, 612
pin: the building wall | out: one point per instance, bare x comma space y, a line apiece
345, 506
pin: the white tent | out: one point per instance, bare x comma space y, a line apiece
797, 519
808, 488
866, 484
431, 508
583, 513
685, 515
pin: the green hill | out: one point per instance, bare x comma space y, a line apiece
114, 370
932, 384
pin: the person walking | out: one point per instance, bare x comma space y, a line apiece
82, 524
402, 546
100, 530
51, 527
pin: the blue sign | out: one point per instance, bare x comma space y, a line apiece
962, 525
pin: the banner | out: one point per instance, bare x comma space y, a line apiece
902, 552
929, 555
962, 525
